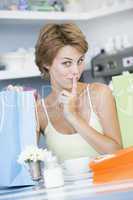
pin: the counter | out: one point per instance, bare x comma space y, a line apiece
73, 190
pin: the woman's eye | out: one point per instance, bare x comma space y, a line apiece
80, 61
67, 64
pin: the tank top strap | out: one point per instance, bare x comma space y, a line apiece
45, 109
88, 91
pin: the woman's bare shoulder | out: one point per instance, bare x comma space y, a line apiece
94, 87
81, 87
97, 91
100, 93
100, 88
40, 102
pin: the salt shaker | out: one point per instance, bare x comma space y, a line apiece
53, 174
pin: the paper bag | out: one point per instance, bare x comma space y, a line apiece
117, 167
17, 130
123, 92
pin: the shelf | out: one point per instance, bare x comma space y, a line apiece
110, 10
5, 75
35, 15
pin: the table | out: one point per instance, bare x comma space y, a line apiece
72, 190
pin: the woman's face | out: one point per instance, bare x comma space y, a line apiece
68, 62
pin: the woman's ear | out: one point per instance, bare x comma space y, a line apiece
46, 67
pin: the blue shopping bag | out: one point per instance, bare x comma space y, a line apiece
17, 130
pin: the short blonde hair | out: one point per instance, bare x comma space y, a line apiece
55, 36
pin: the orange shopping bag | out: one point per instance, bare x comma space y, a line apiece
116, 167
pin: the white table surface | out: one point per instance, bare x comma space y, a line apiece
82, 189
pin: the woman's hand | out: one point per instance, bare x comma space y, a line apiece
18, 88
69, 103
14, 88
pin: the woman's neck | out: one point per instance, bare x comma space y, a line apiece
56, 89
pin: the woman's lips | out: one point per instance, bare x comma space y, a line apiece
70, 77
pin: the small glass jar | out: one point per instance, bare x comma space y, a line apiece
35, 170
53, 174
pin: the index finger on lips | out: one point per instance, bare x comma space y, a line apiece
74, 86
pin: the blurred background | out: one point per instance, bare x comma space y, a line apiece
107, 25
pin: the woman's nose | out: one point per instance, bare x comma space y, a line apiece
75, 70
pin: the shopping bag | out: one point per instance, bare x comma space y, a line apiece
123, 93
115, 167
17, 130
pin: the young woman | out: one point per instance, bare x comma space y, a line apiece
78, 119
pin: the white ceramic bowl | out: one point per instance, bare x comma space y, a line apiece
76, 166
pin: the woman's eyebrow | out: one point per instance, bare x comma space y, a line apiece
82, 56
73, 59
67, 58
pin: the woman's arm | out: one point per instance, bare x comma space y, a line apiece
42, 120
107, 114
110, 140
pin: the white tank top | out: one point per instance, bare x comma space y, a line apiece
68, 146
